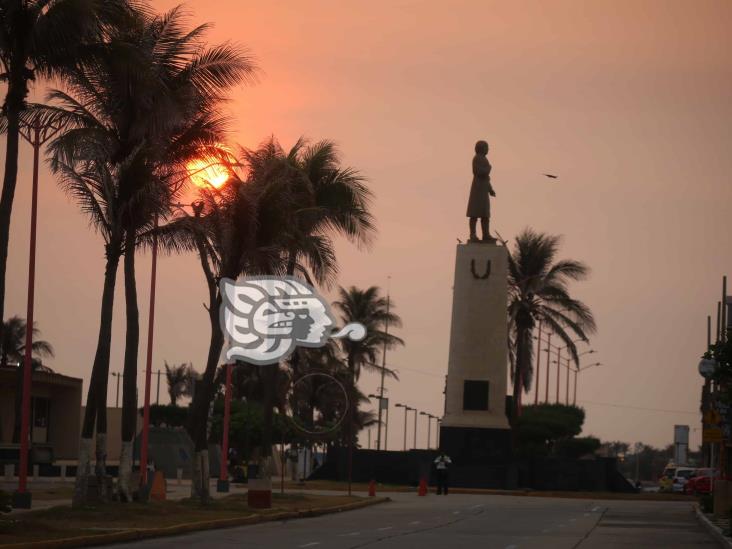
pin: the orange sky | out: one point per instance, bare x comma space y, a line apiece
628, 101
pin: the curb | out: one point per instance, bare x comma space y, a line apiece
712, 528
136, 535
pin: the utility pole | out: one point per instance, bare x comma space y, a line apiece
157, 398
559, 369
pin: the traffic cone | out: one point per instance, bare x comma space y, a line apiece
422, 487
372, 488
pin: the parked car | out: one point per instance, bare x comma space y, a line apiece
702, 481
680, 478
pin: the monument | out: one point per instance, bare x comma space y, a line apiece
475, 428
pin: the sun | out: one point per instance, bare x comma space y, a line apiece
208, 172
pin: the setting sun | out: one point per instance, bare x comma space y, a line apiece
208, 171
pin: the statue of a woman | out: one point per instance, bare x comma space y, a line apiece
479, 206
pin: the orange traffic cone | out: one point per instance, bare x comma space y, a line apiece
422, 487
372, 488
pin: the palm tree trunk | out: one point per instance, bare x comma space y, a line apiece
96, 400
129, 379
520, 371
198, 419
14, 101
200, 407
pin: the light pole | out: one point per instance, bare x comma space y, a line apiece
548, 359
574, 400
383, 405
36, 131
406, 409
383, 372
430, 417
415, 426
116, 399
437, 435
538, 365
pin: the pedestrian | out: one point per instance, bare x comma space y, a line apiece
442, 462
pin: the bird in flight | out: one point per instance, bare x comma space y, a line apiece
550, 176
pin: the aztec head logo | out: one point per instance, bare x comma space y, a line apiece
265, 318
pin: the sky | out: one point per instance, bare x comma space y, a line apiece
628, 102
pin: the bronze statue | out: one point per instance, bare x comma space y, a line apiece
479, 205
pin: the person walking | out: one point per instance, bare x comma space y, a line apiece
442, 462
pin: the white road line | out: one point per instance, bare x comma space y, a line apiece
456, 512
415, 522
310, 544
477, 506
595, 509
350, 534
385, 528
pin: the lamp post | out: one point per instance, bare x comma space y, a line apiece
37, 131
548, 358
415, 426
383, 405
538, 366
574, 400
406, 409
437, 435
430, 417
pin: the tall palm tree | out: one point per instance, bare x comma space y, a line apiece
142, 107
369, 308
12, 351
538, 291
39, 39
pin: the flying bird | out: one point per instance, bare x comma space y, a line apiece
550, 176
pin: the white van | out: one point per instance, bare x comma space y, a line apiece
681, 476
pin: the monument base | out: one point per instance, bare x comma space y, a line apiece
468, 446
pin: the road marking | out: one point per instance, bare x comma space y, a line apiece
456, 512
415, 522
595, 509
310, 544
477, 506
546, 530
385, 528
561, 525
351, 534
511, 546
572, 519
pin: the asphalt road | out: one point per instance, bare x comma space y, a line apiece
466, 521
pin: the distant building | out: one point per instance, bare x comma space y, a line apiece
55, 415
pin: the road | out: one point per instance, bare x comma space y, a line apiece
467, 521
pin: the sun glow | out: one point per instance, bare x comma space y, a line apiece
209, 171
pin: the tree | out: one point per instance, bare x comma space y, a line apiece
537, 291
137, 112
546, 429
39, 39
180, 380
12, 350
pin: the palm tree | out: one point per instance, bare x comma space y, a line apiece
12, 350
180, 380
369, 308
12, 345
537, 288
39, 39
137, 112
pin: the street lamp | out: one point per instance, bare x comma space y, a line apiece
406, 409
574, 400
36, 130
437, 435
430, 417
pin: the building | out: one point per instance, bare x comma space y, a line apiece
55, 415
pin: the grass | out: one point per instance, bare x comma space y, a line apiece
64, 522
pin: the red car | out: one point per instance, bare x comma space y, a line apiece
701, 481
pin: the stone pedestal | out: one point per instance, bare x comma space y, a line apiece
475, 393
